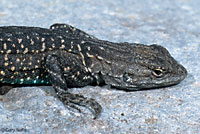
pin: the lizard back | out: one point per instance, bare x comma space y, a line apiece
123, 65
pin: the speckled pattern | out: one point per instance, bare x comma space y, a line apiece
174, 24
65, 56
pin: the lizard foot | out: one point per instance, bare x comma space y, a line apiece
72, 100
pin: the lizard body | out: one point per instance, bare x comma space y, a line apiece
64, 56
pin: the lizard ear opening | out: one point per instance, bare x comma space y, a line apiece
127, 78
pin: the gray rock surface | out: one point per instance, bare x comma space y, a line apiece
173, 24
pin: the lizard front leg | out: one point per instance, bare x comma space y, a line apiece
57, 79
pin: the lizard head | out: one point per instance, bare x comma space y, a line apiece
152, 67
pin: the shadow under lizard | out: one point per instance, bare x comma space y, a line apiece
64, 57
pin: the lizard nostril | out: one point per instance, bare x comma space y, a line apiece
182, 71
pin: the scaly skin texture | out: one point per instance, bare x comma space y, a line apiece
64, 56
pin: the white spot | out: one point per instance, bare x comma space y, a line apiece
24, 68
16, 73
89, 55
100, 58
43, 46
53, 46
19, 40
79, 47
92, 66
32, 42
66, 68
43, 39
26, 50
12, 68
86, 69
62, 46
83, 60
73, 76
101, 48
36, 66
22, 46
82, 42
52, 39
9, 51
6, 57
6, 64
18, 60
107, 61
62, 41
4, 46
30, 63
89, 69
78, 73
2, 73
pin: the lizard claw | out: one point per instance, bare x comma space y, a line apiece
75, 99
94, 107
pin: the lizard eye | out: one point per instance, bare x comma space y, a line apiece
158, 72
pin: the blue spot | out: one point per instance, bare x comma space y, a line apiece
21, 81
35, 81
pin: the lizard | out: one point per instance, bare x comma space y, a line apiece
64, 57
